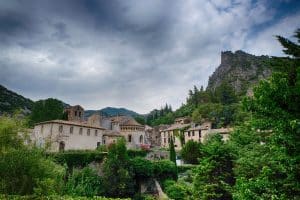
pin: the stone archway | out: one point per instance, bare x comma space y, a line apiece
141, 139
61, 146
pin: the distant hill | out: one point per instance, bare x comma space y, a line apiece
111, 111
240, 70
11, 101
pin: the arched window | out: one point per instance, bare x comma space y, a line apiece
129, 138
61, 146
141, 139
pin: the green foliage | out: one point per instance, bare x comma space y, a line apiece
136, 153
142, 168
214, 175
24, 170
10, 129
165, 169
172, 151
84, 182
44, 110
162, 116
177, 190
267, 146
140, 119
54, 197
191, 152
77, 158
117, 178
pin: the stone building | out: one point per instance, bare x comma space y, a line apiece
182, 133
75, 113
128, 127
175, 131
153, 136
59, 135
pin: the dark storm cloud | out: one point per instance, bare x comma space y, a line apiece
136, 54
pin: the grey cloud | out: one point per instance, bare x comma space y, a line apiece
136, 54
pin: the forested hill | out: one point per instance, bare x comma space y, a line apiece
240, 70
111, 111
11, 101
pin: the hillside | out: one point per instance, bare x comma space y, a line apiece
240, 70
11, 101
111, 111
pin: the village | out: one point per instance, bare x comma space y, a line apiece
78, 133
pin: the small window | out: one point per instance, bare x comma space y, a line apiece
80, 131
71, 130
103, 141
189, 134
165, 140
60, 128
42, 129
96, 132
193, 133
98, 144
200, 134
129, 138
88, 132
75, 113
79, 114
141, 139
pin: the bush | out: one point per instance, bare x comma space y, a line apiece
84, 182
176, 190
77, 158
54, 197
165, 169
191, 152
142, 168
136, 153
26, 171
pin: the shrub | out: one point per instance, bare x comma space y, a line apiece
136, 153
191, 152
176, 190
54, 197
141, 167
165, 169
84, 182
77, 158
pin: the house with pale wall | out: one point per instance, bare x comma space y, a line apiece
61, 135
79, 134
190, 132
202, 132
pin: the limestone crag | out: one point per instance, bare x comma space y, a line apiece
240, 70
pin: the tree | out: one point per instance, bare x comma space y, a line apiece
214, 176
267, 146
173, 153
117, 177
25, 169
44, 110
191, 152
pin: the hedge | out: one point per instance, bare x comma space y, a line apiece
136, 153
77, 158
54, 197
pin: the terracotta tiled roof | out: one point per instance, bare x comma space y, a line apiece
125, 121
112, 133
176, 126
71, 123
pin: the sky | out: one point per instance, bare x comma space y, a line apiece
137, 54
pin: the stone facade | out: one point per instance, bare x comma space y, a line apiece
75, 113
60, 135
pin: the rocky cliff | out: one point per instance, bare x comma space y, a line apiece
240, 70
